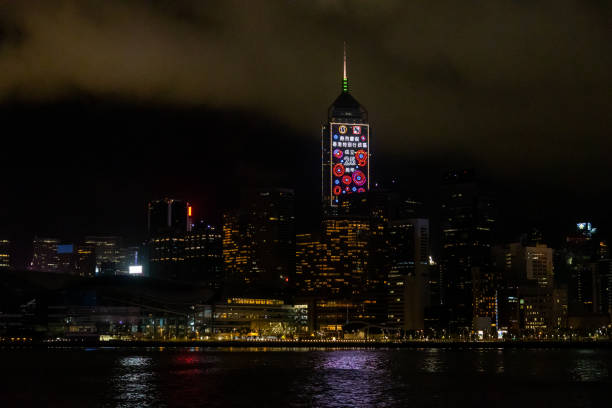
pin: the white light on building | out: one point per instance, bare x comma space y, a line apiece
135, 269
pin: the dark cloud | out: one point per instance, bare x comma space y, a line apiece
523, 83
515, 86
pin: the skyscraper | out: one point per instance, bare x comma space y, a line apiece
408, 273
169, 216
169, 220
203, 255
345, 149
259, 240
583, 252
331, 273
467, 226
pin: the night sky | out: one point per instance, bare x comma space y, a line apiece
106, 104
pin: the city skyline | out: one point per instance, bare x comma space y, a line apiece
431, 109
378, 258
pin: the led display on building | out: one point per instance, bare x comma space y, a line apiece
135, 269
350, 159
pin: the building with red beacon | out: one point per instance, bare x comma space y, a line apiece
345, 147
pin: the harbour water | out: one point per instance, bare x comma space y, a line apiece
201, 377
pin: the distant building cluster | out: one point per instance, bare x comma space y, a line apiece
95, 255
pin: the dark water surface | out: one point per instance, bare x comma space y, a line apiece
184, 377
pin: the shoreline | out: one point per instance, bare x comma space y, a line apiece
311, 344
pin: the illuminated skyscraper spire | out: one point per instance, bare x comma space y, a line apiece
345, 85
345, 147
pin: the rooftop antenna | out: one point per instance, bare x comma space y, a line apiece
345, 84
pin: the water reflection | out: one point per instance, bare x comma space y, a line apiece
499, 361
341, 378
330, 378
133, 382
193, 362
350, 378
434, 361
588, 368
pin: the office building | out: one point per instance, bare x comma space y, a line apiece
407, 279
345, 149
45, 257
169, 221
204, 255
259, 241
169, 216
582, 254
467, 222
107, 250
527, 298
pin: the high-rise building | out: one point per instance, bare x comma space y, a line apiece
467, 224
407, 278
586, 266
204, 255
526, 295
604, 287
334, 266
238, 259
169, 220
45, 258
582, 254
5, 253
169, 216
259, 241
107, 253
345, 149
167, 256
331, 273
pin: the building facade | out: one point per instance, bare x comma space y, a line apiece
408, 273
467, 221
168, 222
44, 257
259, 241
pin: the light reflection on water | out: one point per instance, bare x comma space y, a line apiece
306, 377
351, 378
434, 361
589, 368
499, 362
133, 385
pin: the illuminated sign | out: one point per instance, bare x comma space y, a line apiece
135, 269
189, 211
350, 159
